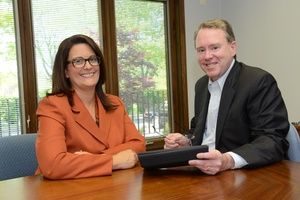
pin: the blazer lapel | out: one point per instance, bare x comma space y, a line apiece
202, 101
104, 122
226, 99
84, 119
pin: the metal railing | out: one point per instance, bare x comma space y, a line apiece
10, 120
148, 110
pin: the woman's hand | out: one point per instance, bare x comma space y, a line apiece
125, 159
82, 152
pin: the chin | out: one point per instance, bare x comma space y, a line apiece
213, 77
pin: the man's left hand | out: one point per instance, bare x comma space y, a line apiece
213, 162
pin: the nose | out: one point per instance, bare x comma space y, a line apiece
207, 54
87, 65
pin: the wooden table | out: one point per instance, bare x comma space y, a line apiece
278, 181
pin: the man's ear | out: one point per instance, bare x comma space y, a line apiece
233, 47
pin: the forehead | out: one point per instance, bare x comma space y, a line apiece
80, 50
210, 36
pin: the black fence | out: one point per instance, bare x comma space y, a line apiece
10, 121
148, 110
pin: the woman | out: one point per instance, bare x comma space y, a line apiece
83, 132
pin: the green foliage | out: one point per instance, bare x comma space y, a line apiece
11, 51
9, 110
10, 118
6, 17
141, 52
7, 31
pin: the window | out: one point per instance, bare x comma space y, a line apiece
54, 21
153, 35
10, 117
143, 64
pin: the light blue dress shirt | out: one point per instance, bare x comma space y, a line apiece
209, 138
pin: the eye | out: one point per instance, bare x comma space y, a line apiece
93, 59
78, 61
200, 50
214, 48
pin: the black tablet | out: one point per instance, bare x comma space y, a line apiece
170, 157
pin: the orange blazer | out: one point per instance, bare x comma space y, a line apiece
64, 130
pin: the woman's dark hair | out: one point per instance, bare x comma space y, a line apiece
61, 85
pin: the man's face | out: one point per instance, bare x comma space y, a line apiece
214, 52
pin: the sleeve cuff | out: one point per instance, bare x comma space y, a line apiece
239, 161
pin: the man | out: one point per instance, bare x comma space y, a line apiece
239, 110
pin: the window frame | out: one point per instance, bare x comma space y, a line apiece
27, 63
176, 51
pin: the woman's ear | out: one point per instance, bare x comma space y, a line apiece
67, 74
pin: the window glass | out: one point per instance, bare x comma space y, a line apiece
53, 21
142, 64
10, 117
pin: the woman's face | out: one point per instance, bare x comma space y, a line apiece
83, 74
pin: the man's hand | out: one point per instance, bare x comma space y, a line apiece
213, 162
175, 140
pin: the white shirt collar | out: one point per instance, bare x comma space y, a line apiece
222, 79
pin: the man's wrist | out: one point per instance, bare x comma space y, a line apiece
227, 162
188, 140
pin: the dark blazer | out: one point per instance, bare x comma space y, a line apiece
252, 120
